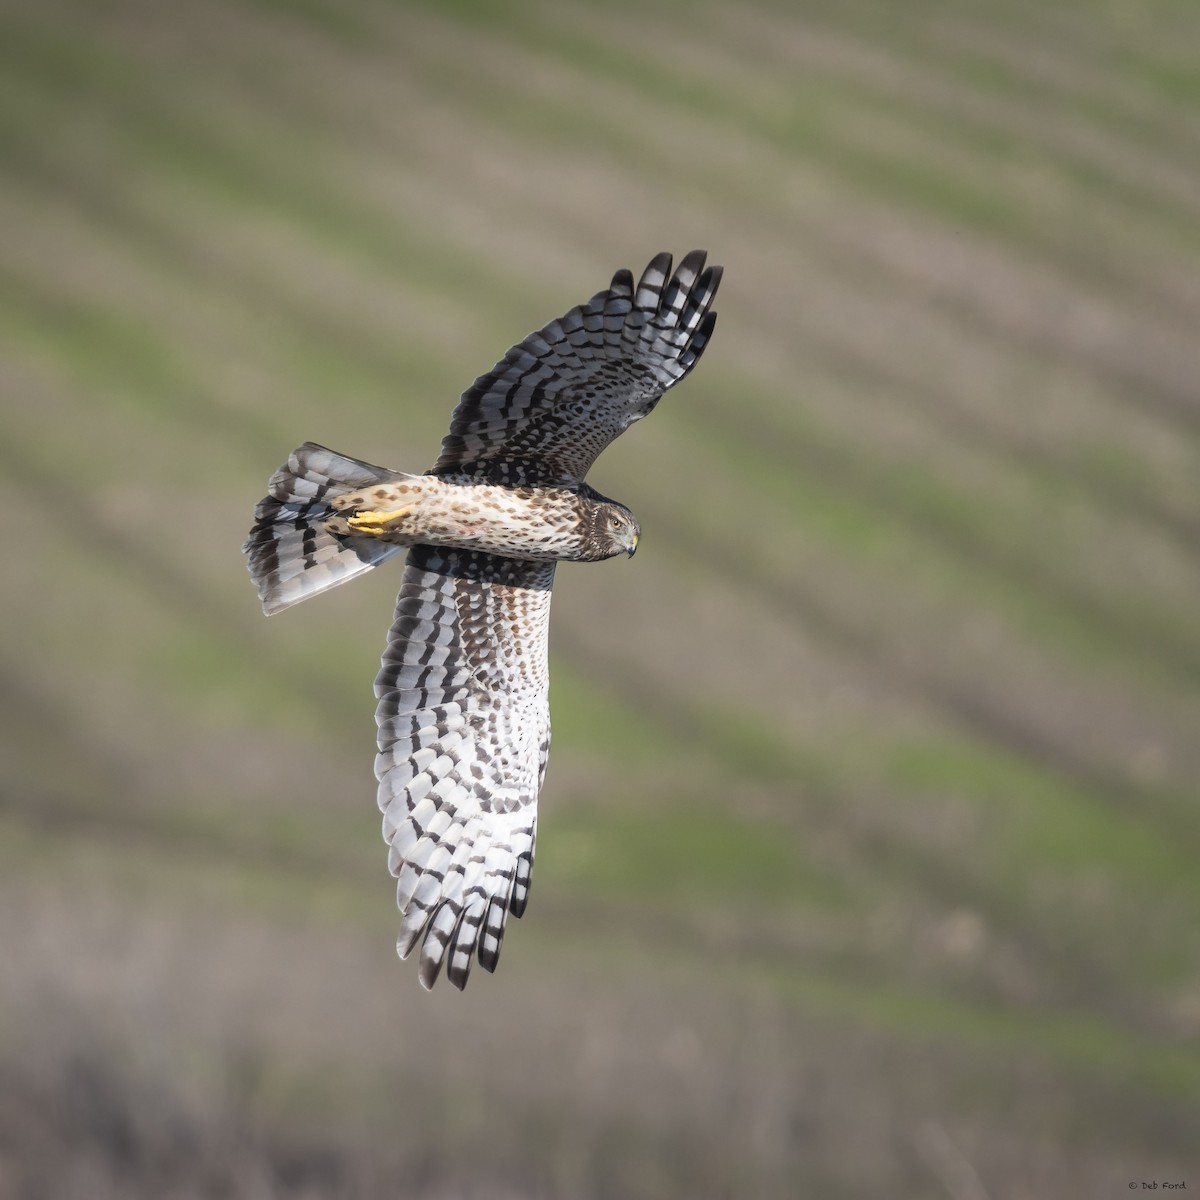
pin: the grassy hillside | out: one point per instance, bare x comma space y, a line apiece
867, 859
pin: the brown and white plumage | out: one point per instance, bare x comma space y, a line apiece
548, 408
464, 733
463, 714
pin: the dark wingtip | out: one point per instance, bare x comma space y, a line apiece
654, 279
660, 262
430, 967
622, 282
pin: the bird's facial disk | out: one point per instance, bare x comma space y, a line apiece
622, 529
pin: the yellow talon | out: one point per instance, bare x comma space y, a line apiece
376, 523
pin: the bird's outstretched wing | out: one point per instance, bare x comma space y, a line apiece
464, 732
544, 413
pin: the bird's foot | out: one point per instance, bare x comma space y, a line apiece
376, 524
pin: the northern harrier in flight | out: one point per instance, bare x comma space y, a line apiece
464, 722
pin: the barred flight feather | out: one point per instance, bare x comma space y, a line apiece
547, 409
460, 819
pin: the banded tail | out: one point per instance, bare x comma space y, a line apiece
290, 554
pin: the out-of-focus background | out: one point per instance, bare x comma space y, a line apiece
868, 862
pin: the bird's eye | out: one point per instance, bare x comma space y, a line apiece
615, 522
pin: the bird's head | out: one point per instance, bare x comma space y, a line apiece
614, 530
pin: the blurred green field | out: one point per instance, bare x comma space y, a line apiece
868, 852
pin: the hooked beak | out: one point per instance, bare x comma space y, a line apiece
633, 541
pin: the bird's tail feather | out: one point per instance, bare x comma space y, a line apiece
290, 553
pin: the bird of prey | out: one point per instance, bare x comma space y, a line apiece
463, 716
